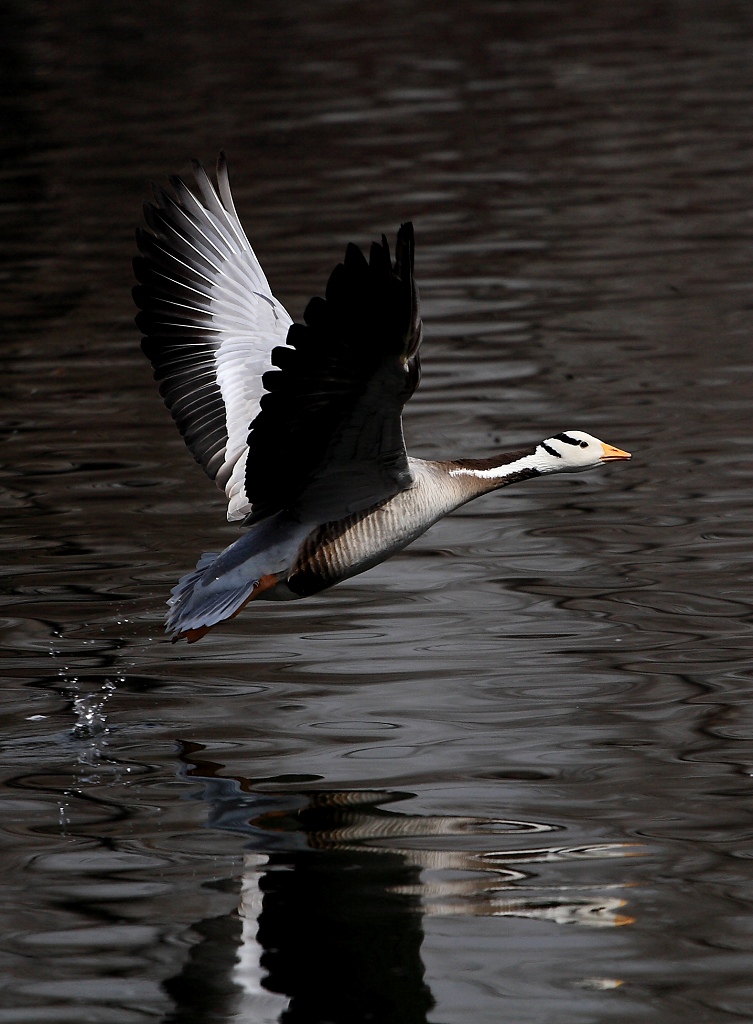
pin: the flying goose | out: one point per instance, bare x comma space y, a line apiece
299, 424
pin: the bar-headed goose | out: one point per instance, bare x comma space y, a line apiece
299, 424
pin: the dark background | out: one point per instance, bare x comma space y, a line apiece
504, 776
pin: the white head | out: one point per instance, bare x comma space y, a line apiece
573, 451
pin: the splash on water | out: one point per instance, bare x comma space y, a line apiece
89, 711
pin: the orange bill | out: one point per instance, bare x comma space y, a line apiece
612, 454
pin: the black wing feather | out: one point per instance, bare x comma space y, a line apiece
330, 431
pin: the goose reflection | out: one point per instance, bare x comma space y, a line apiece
335, 887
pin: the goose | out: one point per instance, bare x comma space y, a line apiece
300, 424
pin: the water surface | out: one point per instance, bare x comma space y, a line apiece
506, 775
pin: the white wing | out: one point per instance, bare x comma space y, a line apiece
210, 323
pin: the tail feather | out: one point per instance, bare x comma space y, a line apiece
221, 584
186, 583
197, 606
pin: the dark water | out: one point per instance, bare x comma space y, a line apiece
506, 776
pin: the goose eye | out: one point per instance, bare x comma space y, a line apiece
584, 444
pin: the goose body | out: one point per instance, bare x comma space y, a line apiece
299, 424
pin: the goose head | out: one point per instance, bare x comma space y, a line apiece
574, 451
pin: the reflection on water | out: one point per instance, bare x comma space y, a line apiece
322, 917
335, 887
390, 799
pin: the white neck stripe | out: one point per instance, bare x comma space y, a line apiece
499, 472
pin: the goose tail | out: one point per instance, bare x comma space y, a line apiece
207, 596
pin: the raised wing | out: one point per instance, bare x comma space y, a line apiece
329, 439
210, 323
